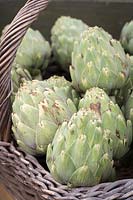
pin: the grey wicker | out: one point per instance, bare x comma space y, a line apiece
21, 173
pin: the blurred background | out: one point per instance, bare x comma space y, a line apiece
110, 14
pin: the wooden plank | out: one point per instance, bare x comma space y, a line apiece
4, 195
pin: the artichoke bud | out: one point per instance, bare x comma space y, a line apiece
126, 37
63, 40
41, 108
33, 59
80, 151
18, 76
110, 117
99, 62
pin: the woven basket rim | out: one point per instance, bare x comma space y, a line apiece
41, 179
58, 191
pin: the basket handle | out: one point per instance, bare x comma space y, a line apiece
9, 44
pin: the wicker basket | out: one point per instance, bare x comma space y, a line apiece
21, 173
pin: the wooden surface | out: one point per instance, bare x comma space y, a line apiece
4, 195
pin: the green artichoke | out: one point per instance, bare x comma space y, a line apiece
19, 75
129, 84
131, 69
34, 53
63, 34
122, 94
79, 154
98, 61
60, 81
129, 108
38, 110
126, 37
113, 122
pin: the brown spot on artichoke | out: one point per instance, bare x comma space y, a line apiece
96, 107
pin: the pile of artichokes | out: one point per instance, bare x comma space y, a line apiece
84, 124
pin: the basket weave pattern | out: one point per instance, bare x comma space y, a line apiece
21, 173
27, 179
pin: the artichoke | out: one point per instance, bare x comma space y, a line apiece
98, 61
60, 81
129, 83
39, 108
63, 34
131, 69
19, 75
79, 154
126, 37
113, 122
122, 94
33, 54
129, 108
